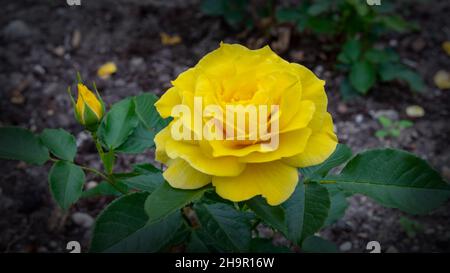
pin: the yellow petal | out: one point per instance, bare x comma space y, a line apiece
194, 155
160, 144
106, 70
87, 97
301, 119
446, 47
290, 144
167, 101
313, 90
167, 39
442, 79
181, 175
275, 181
319, 147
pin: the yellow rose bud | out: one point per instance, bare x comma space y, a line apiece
202, 145
89, 109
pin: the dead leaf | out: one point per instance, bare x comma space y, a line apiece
415, 111
284, 38
106, 70
76, 39
169, 40
442, 79
446, 47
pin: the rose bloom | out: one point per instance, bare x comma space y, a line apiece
242, 169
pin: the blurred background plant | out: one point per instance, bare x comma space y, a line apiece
354, 27
392, 128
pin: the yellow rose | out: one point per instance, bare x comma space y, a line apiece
88, 109
240, 169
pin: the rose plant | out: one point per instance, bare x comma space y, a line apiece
210, 194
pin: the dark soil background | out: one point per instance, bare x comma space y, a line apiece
43, 44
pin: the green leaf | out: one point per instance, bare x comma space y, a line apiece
165, 200
213, 7
381, 133
306, 210
196, 245
66, 183
122, 227
341, 154
338, 204
389, 72
385, 122
226, 228
102, 189
143, 181
395, 179
321, 25
362, 76
405, 124
347, 90
319, 7
259, 245
140, 140
360, 6
288, 15
272, 215
120, 219
381, 56
60, 142
146, 111
315, 244
118, 124
20, 144
396, 23
350, 51
145, 168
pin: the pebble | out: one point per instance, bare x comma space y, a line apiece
446, 173
17, 29
359, 118
91, 185
345, 246
59, 51
389, 113
82, 219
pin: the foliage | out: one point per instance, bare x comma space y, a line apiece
360, 27
392, 128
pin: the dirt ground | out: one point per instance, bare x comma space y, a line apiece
43, 43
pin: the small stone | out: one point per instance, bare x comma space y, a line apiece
82, 219
17, 29
429, 231
342, 108
446, 173
418, 44
91, 185
297, 55
345, 246
59, 51
388, 113
415, 111
137, 62
359, 118
39, 69
76, 39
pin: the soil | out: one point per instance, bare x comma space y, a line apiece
43, 43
